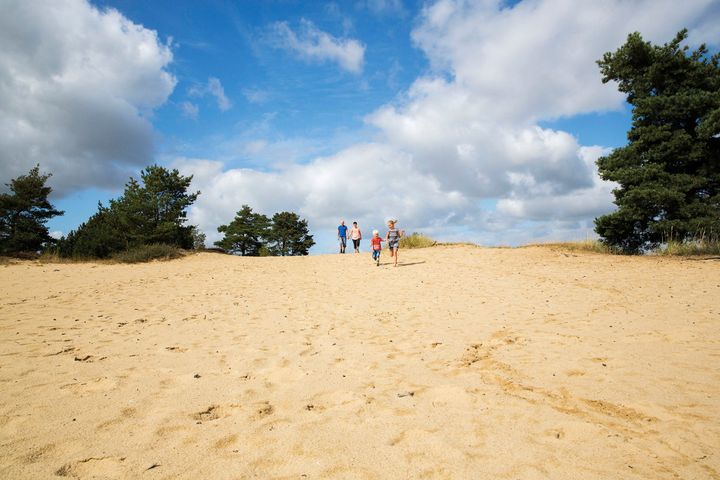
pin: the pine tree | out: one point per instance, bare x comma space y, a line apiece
669, 173
155, 211
150, 212
289, 235
246, 234
24, 212
99, 237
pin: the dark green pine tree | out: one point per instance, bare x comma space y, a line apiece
99, 237
155, 211
289, 235
246, 234
669, 173
24, 212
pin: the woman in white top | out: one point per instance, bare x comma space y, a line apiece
356, 236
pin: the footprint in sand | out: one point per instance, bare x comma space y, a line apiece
225, 441
473, 354
170, 431
94, 467
13, 424
264, 409
88, 358
37, 454
175, 348
65, 350
477, 352
125, 414
102, 384
207, 415
214, 412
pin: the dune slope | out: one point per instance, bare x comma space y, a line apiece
461, 363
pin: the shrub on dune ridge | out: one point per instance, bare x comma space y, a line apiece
416, 240
579, 246
687, 248
146, 253
52, 256
690, 248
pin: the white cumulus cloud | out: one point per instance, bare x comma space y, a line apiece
312, 44
577, 204
76, 87
536, 60
368, 182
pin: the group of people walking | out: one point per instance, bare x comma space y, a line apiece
392, 237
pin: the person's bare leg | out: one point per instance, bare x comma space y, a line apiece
396, 255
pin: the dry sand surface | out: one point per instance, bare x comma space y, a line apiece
461, 363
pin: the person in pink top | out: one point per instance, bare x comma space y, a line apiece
356, 236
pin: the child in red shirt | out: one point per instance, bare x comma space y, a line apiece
376, 244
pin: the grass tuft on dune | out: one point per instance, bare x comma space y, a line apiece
690, 248
416, 240
595, 246
146, 253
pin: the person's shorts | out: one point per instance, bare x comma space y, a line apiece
343, 241
356, 242
394, 244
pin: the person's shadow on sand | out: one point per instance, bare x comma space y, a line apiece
405, 264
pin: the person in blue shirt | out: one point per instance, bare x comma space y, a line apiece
342, 235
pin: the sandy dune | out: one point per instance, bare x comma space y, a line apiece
462, 363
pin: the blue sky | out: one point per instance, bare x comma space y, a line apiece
230, 41
474, 121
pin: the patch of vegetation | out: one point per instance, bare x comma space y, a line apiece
146, 253
690, 248
686, 248
52, 256
463, 244
595, 246
6, 261
150, 211
416, 240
